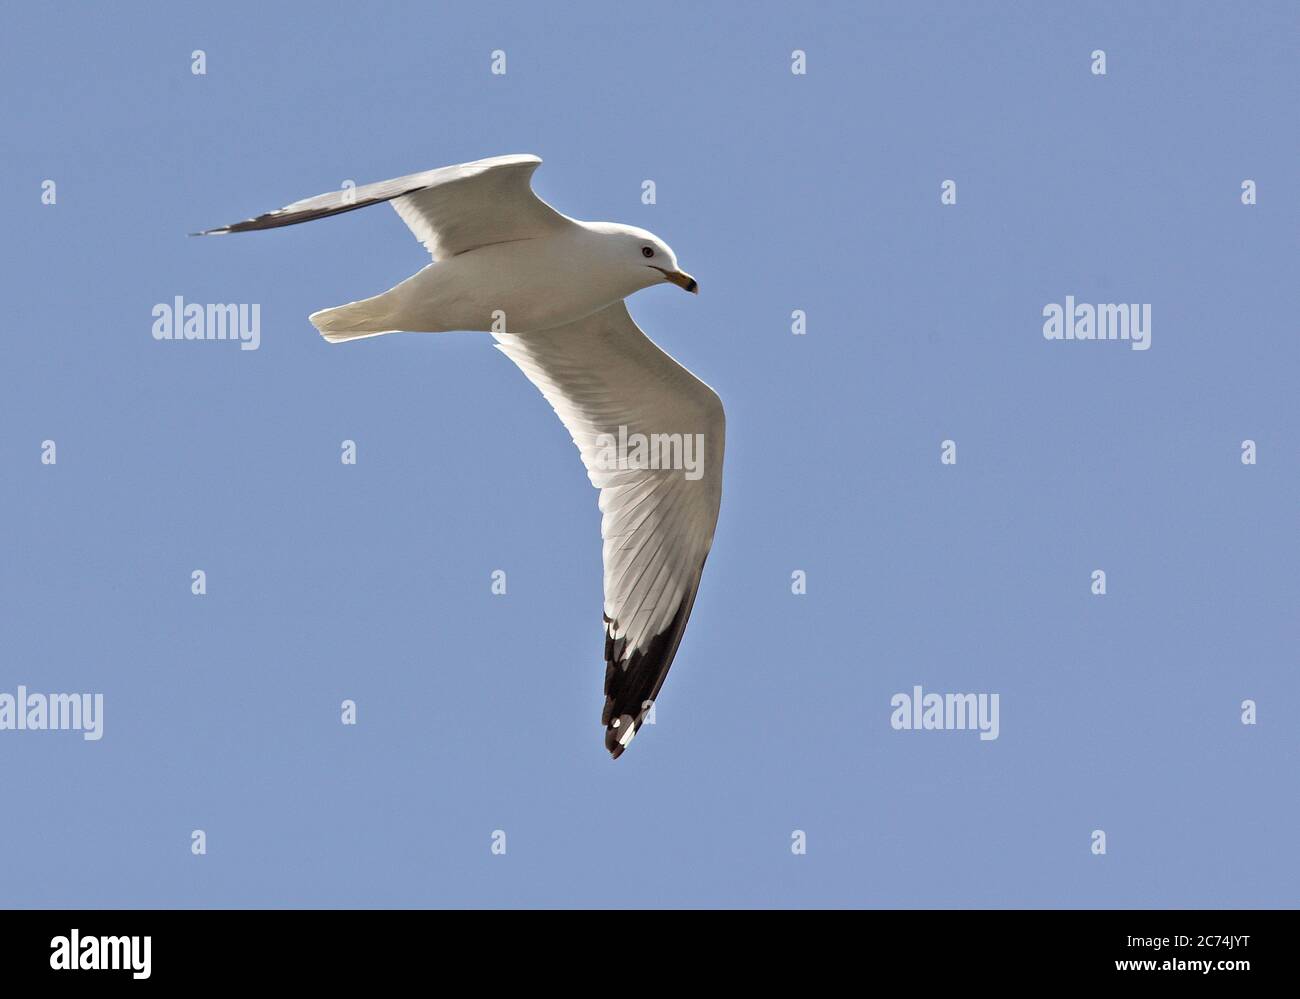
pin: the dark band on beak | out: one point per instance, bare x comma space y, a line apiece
681, 279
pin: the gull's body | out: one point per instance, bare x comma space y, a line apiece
518, 278
551, 290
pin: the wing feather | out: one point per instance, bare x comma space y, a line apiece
603, 376
450, 210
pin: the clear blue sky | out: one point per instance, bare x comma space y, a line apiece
779, 192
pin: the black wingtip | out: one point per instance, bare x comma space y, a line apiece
633, 678
617, 738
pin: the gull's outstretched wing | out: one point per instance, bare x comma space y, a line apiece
450, 210
609, 383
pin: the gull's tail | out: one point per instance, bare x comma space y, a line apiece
354, 321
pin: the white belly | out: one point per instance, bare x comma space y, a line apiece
503, 288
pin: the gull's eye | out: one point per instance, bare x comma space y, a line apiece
647, 251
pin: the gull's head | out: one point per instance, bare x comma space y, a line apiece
645, 258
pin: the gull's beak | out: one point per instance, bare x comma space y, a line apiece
681, 279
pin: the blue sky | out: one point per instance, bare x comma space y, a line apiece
818, 192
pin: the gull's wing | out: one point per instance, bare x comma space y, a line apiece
603, 376
450, 210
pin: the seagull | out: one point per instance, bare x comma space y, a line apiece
550, 289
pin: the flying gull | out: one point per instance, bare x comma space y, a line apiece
550, 289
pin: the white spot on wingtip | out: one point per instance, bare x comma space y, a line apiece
626, 737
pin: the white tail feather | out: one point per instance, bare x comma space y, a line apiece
354, 321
